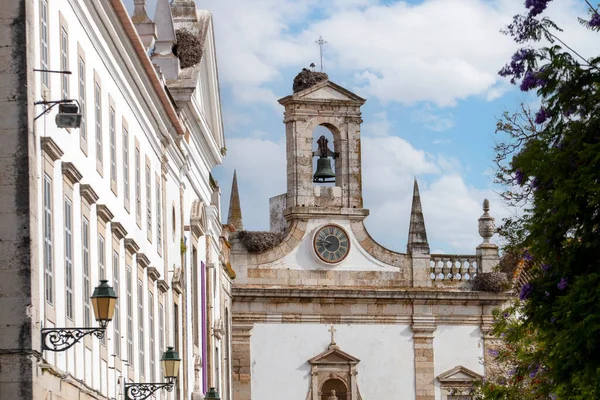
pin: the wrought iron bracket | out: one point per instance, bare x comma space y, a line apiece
61, 339
141, 391
51, 104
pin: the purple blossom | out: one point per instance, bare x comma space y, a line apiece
545, 267
536, 7
527, 255
535, 184
542, 115
595, 21
523, 28
562, 285
519, 177
553, 319
493, 353
526, 291
516, 68
547, 294
533, 371
505, 315
512, 372
531, 80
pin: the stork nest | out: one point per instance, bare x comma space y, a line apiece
307, 78
259, 241
491, 282
188, 48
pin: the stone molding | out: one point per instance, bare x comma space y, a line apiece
153, 273
50, 147
88, 194
118, 230
71, 172
104, 213
163, 286
131, 246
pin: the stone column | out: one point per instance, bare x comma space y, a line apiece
423, 327
242, 385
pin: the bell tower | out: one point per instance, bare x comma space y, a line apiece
319, 102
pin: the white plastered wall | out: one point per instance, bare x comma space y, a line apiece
280, 354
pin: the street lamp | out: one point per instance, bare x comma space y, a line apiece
170, 365
212, 394
104, 300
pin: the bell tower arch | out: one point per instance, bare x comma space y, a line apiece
329, 105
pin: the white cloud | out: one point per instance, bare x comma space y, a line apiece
377, 125
431, 120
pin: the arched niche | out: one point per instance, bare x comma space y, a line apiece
334, 370
330, 133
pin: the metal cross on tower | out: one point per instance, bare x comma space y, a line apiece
332, 330
321, 43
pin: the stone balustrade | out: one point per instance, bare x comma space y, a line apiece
453, 267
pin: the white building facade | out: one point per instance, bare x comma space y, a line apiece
127, 197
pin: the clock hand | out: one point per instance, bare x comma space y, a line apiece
323, 241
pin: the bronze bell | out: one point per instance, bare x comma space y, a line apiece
324, 173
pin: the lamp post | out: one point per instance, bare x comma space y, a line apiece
212, 394
170, 365
104, 300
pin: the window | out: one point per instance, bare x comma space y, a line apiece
116, 317
85, 244
64, 62
195, 299
98, 108
161, 328
149, 201
81, 68
44, 41
126, 165
113, 146
176, 325
151, 336
48, 253
69, 258
140, 297
158, 218
138, 189
129, 317
101, 257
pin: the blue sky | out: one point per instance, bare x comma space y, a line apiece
428, 70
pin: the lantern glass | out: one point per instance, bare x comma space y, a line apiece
104, 300
170, 363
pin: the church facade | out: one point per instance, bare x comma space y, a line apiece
321, 311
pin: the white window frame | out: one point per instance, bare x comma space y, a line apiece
98, 114
64, 61
126, 165
141, 341
151, 336
149, 201
116, 316
44, 52
138, 183
129, 289
69, 281
113, 144
48, 244
81, 70
158, 217
85, 245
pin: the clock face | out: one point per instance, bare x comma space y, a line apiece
331, 244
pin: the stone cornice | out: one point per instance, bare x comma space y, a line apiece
71, 172
88, 194
162, 285
152, 273
404, 294
50, 147
142, 260
118, 230
104, 213
131, 245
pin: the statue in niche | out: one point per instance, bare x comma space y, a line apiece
332, 396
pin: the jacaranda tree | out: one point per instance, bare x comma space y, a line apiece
550, 166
